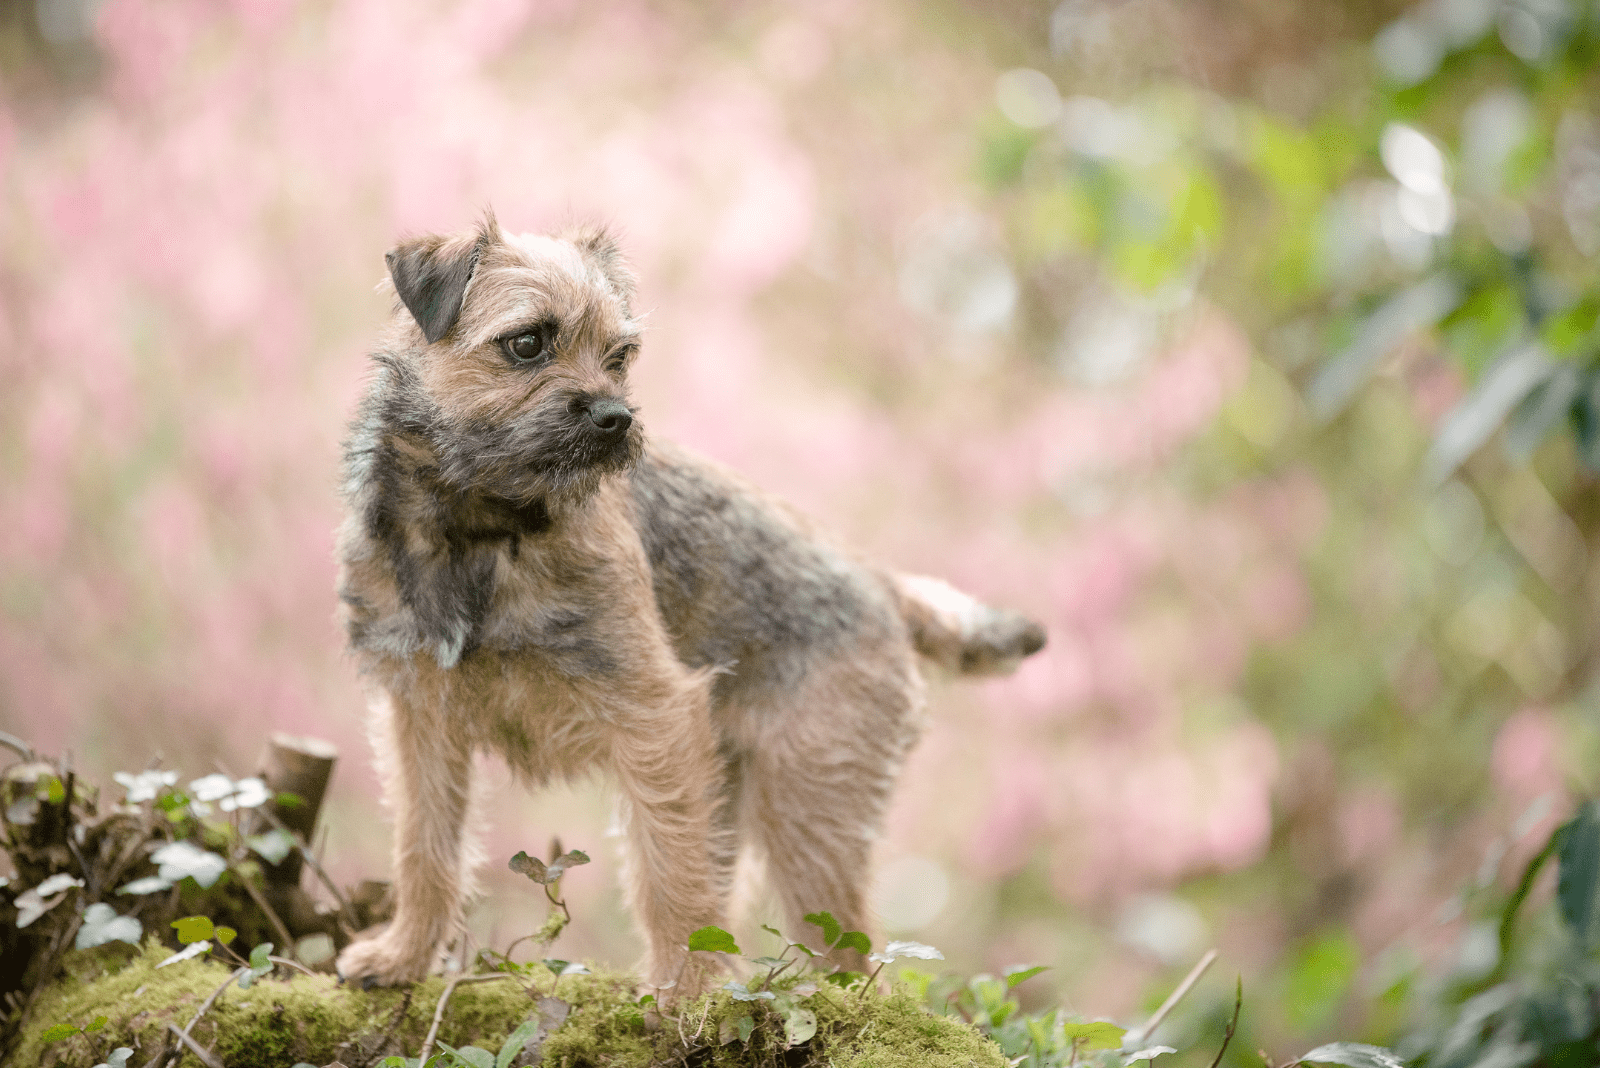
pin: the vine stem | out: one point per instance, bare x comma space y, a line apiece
444, 999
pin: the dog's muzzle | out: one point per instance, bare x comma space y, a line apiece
611, 418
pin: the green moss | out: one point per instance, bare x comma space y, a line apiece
311, 1018
273, 1024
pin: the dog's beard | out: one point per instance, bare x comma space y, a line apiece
552, 453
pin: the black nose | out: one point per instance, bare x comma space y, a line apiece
612, 417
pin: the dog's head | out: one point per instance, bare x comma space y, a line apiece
519, 346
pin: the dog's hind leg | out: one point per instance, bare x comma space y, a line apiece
818, 787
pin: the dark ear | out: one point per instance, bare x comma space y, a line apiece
599, 247
431, 275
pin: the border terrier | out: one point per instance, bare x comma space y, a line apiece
521, 572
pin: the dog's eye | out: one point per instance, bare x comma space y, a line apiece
525, 348
617, 362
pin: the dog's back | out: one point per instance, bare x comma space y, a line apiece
748, 587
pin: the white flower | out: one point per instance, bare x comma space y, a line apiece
145, 785
250, 793
213, 787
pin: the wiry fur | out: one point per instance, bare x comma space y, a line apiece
516, 581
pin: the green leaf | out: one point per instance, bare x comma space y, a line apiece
532, 867
1354, 1055
570, 859
1566, 333
259, 955
226, 935
844, 978
746, 1027
515, 1042
1018, 975
56, 1032
98, 1023
854, 940
194, 929
470, 1056
55, 792
830, 926
741, 993
1094, 1035
287, 800
1319, 978
712, 940
799, 1025
1578, 884
272, 846
1417, 308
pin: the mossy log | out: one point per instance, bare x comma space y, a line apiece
279, 1022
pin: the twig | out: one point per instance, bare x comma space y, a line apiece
205, 1058
296, 965
316, 866
1233, 1024
444, 999
394, 1025
261, 903
1138, 1038
18, 746
201, 1011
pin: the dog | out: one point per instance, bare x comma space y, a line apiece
521, 572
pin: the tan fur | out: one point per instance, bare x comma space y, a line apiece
641, 612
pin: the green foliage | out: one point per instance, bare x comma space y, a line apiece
712, 940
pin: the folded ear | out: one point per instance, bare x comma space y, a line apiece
600, 247
431, 275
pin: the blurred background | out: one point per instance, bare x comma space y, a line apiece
1249, 345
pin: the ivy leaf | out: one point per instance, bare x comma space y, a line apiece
145, 786
150, 884
532, 867
895, 950
516, 1042
570, 859
31, 904
1093, 1035
180, 860
56, 1032
712, 940
185, 954
271, 846
854, 940
101, 924
830, 926
1020, 974
799, 1025
741, 993
247, 793
471, 1056
194, 928
1354, 1055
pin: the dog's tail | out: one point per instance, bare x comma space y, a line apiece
962, 634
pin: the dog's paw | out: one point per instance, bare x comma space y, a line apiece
382, 961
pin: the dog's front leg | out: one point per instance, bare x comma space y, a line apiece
664, 758
425, 764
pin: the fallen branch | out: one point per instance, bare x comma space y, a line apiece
444, 999
201, 1011
205, 1058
